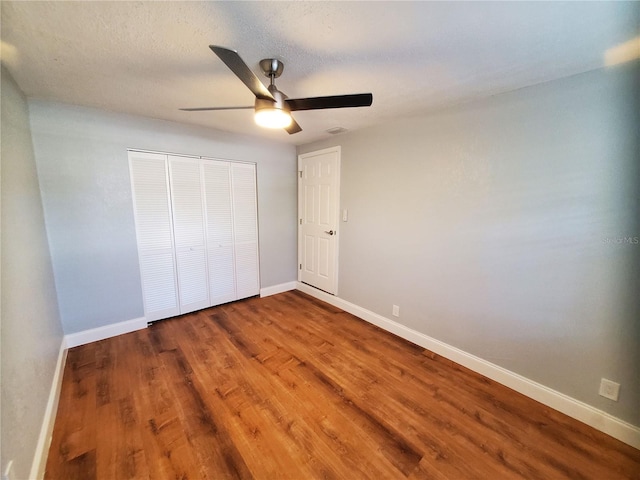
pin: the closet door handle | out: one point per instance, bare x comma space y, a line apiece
330, 232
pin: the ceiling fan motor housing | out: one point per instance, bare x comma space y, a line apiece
266, 103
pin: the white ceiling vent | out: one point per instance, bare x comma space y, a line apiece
336, 130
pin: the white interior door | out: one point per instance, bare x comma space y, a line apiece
188, 226
318, 204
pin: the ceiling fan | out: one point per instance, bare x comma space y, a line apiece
272, 107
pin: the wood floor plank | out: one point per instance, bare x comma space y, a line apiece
392, 445
211, 441
120, 451
242, 411
77, 436
288, 387
360, 378
351, 387
516, 419
273, 435
162, 431
83, 466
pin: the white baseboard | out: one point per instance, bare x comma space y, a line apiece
108, 331
275, 289
44, 440
617, 428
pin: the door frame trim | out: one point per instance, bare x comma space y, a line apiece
337, 149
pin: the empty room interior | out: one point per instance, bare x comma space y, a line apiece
320, 240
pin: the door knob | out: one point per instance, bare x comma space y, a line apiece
330, 232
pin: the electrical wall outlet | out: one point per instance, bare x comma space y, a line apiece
395, 311
609, 389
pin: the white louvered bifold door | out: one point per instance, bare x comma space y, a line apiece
152, 212
188, 226
216, 176
197, 228
245, 226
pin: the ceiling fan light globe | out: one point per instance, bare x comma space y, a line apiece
272, 118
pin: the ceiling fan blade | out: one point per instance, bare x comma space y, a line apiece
334, 101
244, 73
204, 109
293, 128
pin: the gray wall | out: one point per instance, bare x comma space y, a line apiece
497, 228
31, 331
81, 155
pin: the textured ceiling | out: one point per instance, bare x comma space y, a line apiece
151, 58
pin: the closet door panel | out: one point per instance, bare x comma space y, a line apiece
159, 286
245, 223
192, 279
222, 287
152, 212
217, 188
245, 219
219, 231
247, 284
186, 195
188, 228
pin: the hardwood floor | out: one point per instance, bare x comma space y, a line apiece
287, 387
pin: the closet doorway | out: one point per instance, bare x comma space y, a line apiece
197, 231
